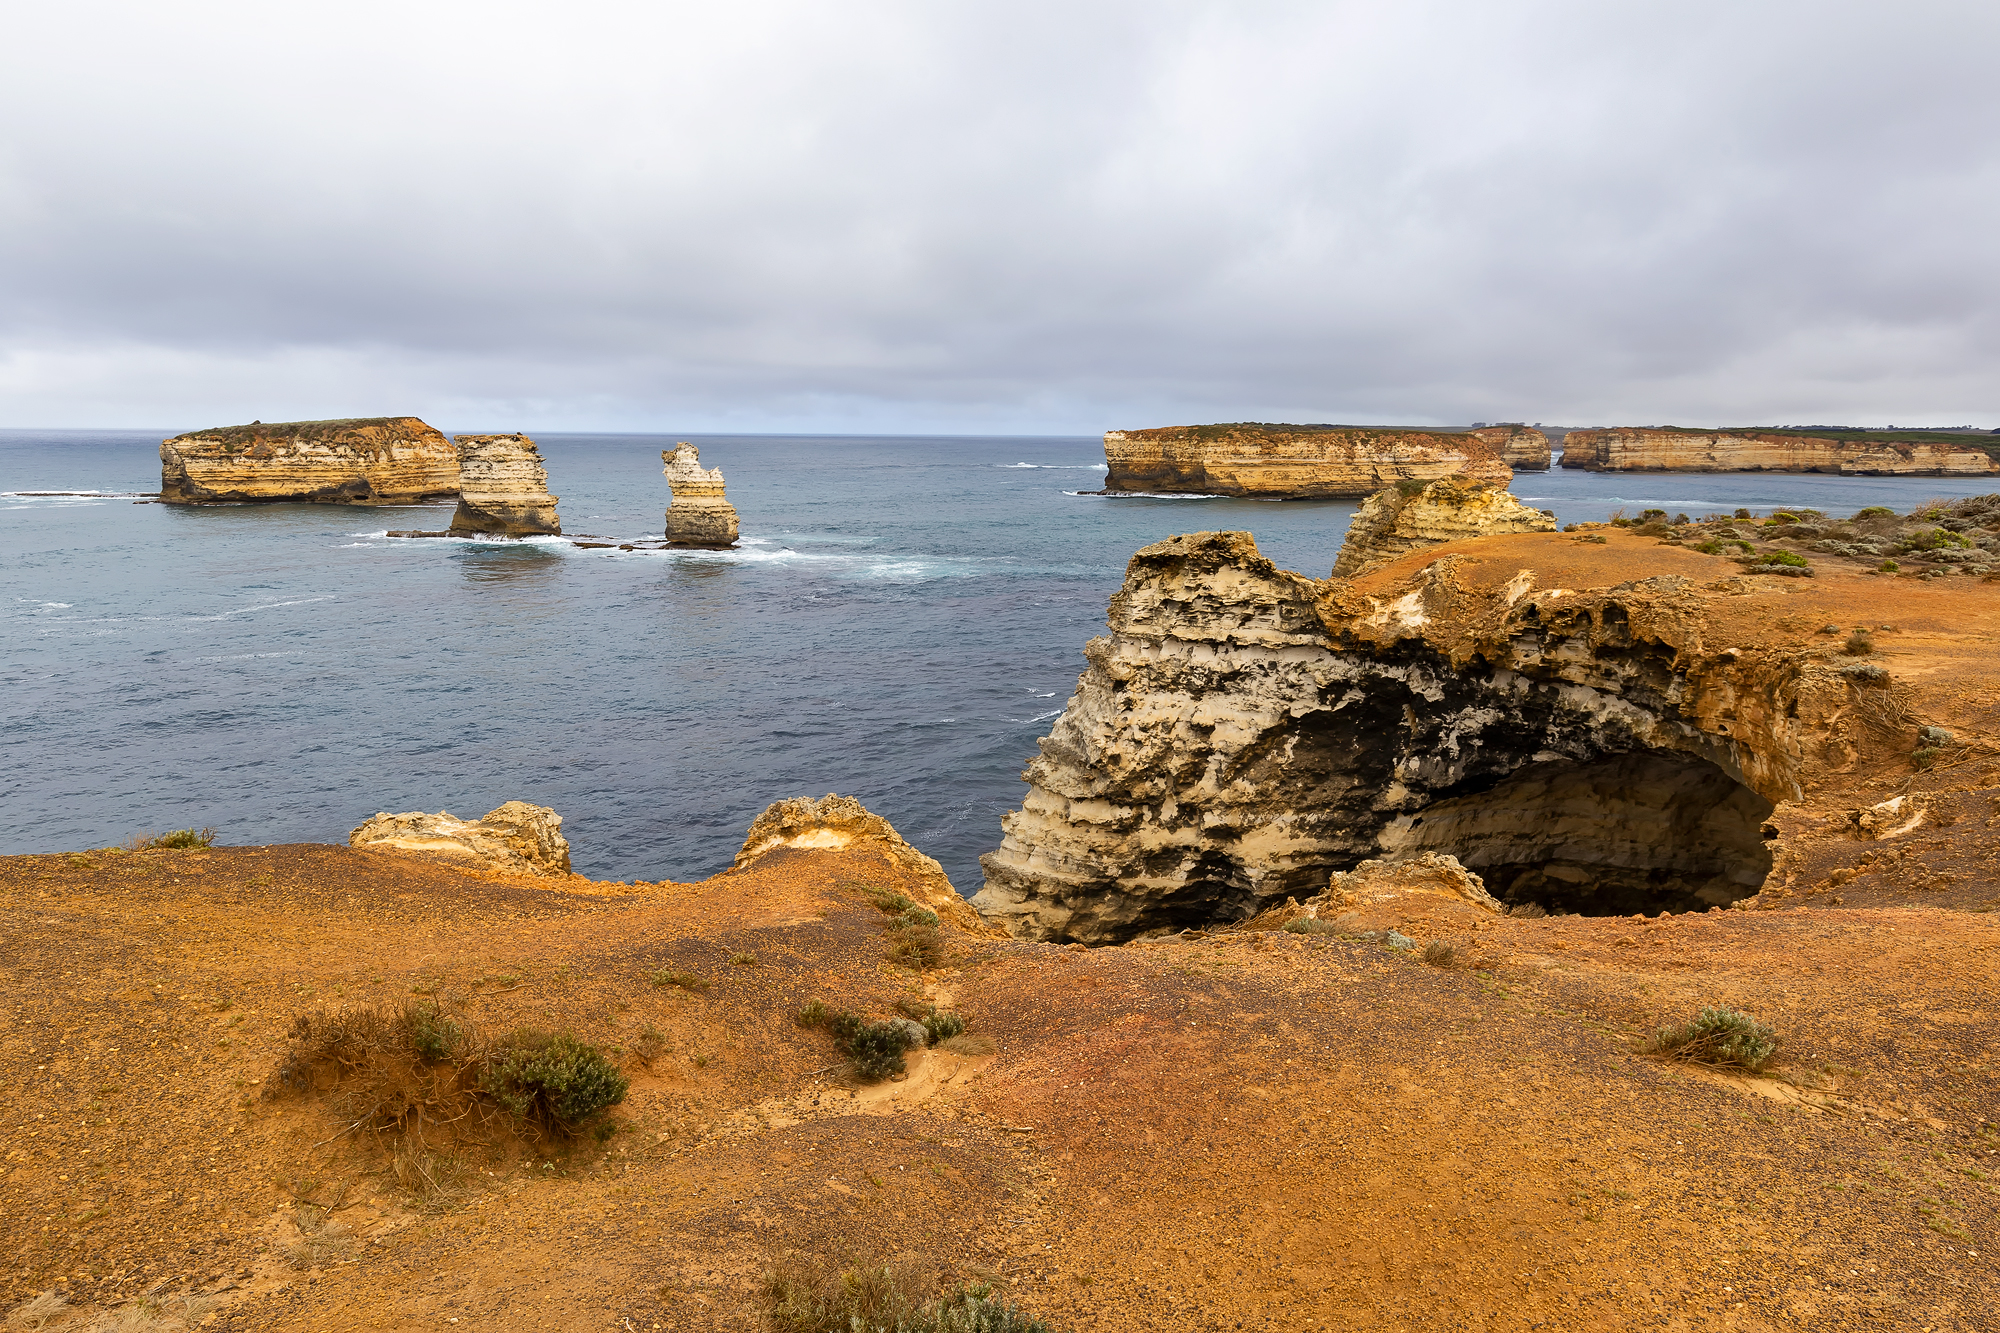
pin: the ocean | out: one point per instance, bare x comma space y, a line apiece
905, 616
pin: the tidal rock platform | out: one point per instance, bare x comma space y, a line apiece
504, 488
699, 515
363, 460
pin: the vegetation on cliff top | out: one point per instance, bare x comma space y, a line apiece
285, 430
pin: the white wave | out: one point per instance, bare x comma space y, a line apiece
245, 657
1145, 495
1043, 717
60, 606
1060, 467
266, 606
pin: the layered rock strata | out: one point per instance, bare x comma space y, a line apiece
1522, 448
698, 515
504, 489
1647, 449
841, 823
1408, 518
367, 460
1290, 462
517, 837
1581, 738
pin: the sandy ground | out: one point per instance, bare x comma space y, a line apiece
1247, 1130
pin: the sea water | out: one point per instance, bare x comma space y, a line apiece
904, 617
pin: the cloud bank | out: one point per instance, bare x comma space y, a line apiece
1031, 217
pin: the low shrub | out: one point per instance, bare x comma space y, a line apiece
942, 1025
875, 1047
180, 840
1718, 1036
1308, 925
1787, 559
870, 1293
1887, 567
1925, 759
431, 1035
1448, 954
687, 981
550, 1079
1858, 644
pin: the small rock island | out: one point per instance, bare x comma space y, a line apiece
361, 460
504, 488
698, 515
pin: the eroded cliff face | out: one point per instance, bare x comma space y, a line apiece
1637, 449
1293, 462
372, 460
699, 515
1579, 738
504, 488
1409, 518
1522, 448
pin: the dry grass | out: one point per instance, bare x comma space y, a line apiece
1448, 954
1719, 1037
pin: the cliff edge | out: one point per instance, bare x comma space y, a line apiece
365, 460
1410, 517
1849, 453
1291, 462
1520, 447
1597, 722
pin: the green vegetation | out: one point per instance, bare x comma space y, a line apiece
1718, 1036
687, 981
1785, 560
876, 1047
183, 839
872, 1294
550, 1079
914, 938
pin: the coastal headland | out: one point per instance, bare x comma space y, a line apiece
1848, 453
1293, 462
366, 460
1409, 1082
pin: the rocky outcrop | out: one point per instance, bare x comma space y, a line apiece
517, 837
1523, 448
1411, 517
1666, 449
841, 823
698, 516
1580, 738
367, 460
1290, 462
504, 488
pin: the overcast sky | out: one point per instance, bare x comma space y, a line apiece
998, 217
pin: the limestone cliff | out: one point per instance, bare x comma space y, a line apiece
1293, 462
1522, 448
698, 515
1853, 453
1593, 723
517, 837
1407, 518
505, 490
841, 823
370, 460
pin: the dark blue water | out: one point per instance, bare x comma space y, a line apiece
904, 618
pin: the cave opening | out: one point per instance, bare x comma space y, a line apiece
1641, 832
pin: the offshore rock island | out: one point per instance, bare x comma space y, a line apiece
1620, 720
1292, 462
365, 460
504, 489
698, 515
1848, 453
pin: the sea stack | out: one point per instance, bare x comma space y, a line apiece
362, 460
698, 516
1520, 447
503, 488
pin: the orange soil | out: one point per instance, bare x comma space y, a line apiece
1246, 1130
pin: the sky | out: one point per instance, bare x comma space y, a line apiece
998, 218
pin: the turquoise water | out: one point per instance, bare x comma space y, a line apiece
905, 617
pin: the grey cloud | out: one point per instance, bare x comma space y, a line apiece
905, 216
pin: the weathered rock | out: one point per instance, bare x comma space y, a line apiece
369, 460
1665, 449
1431, 874
1522, 448
1581, 742
1297, 462
1411, 517
504, 490
518, 837
841, 823
698, 516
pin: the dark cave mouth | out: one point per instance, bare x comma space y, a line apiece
1645, 832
